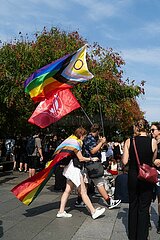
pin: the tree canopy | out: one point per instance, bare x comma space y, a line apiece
106, 93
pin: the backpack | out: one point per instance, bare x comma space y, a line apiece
30, 147
9, 144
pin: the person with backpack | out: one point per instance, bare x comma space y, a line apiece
10, 151
93, 144
34, 152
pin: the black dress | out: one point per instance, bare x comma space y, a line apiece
140, 192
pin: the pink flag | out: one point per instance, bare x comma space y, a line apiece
53, 109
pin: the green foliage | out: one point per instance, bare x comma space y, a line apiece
106, 91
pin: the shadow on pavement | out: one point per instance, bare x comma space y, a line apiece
47, 207
2, 174
1, 229
123, 214
7, 176
154, 215
51, 188
41, 209
54, 205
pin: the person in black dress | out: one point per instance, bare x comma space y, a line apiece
140, 192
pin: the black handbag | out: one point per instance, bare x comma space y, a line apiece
94, 169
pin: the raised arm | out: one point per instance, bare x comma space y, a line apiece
155, 160
95, 149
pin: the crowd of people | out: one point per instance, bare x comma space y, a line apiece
15, 149
118, 161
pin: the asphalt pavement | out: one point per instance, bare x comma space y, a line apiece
38, 221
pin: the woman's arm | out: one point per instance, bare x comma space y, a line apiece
125, 156
154, 149
155, 160
85, 159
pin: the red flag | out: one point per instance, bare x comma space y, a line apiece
53, 109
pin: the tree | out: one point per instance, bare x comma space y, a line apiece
20, 58
108, 93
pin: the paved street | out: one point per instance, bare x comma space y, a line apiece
38, 221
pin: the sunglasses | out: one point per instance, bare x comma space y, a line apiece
153, 129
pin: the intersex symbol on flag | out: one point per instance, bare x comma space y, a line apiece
63, 73
50, 110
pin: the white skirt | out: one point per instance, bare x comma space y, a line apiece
73, 173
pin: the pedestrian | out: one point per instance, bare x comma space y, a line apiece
109, 152
116, 151
140, 192
74, 177
121, 185
17, 150
92, 148
10, 151
155, 131
35, 155
23, 165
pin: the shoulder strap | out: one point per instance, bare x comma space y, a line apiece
135, 149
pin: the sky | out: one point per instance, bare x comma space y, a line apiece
130, 27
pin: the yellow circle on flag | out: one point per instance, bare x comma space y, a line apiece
78, 64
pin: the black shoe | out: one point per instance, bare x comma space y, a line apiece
158, 228
80, 204
111, 203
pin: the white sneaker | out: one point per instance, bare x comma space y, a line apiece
64, 215
98, 212
113, 203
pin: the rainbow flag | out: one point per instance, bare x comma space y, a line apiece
29, 189
60, 74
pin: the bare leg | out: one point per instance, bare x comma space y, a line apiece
32, 172
21, 166
65, 195
102, 191
14, 165
25, 167
12, 157
29, 172
85, 198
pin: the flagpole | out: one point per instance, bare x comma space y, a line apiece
86, 116
100, 110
